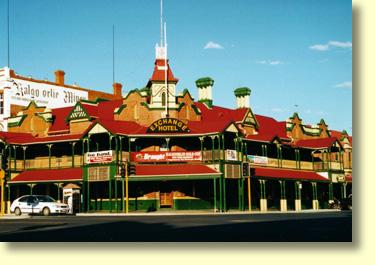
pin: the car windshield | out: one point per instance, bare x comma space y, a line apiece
45, 198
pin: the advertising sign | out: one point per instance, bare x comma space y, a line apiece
262, 160
230, 155
99, 157
167, 125
166, 156
50, 96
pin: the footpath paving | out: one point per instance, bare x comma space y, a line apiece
173, 213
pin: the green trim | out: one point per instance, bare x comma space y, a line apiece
311, 133
32, 102
145, 104
204, 82
87, 116
196, 109
41, 115
242, 91
96, 101
120, 109
184, 92
207, 102
135, 91
295, 114
18, 123
255, 123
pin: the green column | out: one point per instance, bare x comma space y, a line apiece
58, 191
213, 148
214, 194
282, 189
73, 144
15, 157
88, 196
116, 147
297, 190
314, 190
49, 155
343, 188
330, 191
24, 157
224, 179
110, 193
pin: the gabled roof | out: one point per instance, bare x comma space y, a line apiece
317, 143
219, 113
269, 129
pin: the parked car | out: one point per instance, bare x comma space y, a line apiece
38, 204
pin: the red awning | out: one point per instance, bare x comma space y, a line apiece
174, 170
288, 174
48, 175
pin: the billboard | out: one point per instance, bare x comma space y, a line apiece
185, 156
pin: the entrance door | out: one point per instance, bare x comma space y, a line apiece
166, 199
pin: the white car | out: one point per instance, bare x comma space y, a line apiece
38, 204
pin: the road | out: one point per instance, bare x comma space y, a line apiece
273, 227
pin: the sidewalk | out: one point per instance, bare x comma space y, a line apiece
174, 213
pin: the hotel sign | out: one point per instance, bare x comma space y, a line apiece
261, 160
166, 156
168, 125
99, 157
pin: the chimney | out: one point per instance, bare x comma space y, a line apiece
242, 97
117, 90
204, 85
59, 77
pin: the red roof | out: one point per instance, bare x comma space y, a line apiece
316, 143
49, 175
201, 127
59, 123
219, 113
288, 174
159, 72
173, 170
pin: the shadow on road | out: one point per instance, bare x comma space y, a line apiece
307, 230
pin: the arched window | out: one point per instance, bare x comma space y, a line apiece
163, 99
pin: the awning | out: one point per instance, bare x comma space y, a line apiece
48, 175
175, 171
288, 174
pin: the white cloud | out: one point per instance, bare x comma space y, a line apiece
213, 45
270, 62
347, 84
330, 44
339, 44
319, 47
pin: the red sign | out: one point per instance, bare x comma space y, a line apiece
99, 157
166, 156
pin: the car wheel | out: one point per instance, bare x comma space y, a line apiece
17, 211
46, 211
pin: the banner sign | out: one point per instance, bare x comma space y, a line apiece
99, 157
50, 96
166, 156
262, 160
230, 155
168, 125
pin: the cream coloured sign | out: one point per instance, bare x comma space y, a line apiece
50, 96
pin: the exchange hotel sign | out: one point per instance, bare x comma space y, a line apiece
51, 96
167, 125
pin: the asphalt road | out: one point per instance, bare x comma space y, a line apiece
291, 227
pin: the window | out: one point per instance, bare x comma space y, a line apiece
163, 99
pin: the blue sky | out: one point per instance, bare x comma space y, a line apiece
295, 55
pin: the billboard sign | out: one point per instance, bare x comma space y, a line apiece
185, 156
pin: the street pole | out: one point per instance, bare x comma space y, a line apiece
2, 205
127, 189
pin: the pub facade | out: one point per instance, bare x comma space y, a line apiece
153, 149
